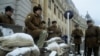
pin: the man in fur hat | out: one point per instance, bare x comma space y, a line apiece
32, 23
54, 31
6, 18
92, 38
77, 34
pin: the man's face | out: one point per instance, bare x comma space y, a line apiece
54, 24
39, 12
9, 13
43, 24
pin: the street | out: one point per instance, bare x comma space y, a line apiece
82, 49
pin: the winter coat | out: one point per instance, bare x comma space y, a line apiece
77, 34
6, 19
53, 31
92, 36
32, 24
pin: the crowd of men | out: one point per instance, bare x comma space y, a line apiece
92, 39
34, 26
38, 30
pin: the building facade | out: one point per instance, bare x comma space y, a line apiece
21, 9
52, 10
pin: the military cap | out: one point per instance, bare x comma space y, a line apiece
35, 8
89, 21
54, 22
8, 8
43, 22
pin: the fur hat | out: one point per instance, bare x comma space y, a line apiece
43, 22
8, 8
35, 8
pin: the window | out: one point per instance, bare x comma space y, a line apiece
62, 17
65, 31
55, 9
58, 14
65, 20
39, 1
48, 22
49, 4
52, 1
62, 30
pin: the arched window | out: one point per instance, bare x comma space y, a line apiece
48, 21
52, 1
49, 4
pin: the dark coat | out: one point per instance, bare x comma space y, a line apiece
32, 24
92, 36
56, 32
6, 19
77, 34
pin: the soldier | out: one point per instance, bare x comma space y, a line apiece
92, 38
6, 18
32, 23
77, 34
53, 31
43, 25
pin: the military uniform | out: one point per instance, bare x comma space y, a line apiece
33, 28
77, 34
92, 40
43, 26
6, 19
53, 31
32, 24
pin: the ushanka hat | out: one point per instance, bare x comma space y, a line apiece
35, 8
8, 8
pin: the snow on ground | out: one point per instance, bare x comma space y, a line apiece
53, 53
20, 35
19, 51
18, 39
53, 39
63, 45
54, 46
82, 53
23, 50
